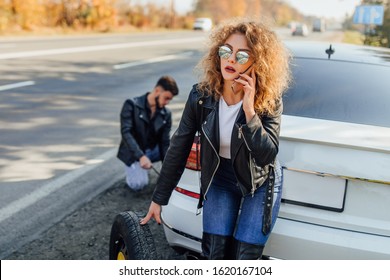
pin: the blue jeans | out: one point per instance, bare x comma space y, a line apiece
153, 154
224, 200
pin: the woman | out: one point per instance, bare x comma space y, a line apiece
237, 109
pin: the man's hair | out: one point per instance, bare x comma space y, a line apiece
169, 84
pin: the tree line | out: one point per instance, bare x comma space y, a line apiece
279, 12
99, 15
109, 15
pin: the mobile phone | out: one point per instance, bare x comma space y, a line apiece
245, 70
232, 86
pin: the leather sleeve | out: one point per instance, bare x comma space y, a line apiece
261, 135
127, 126
178, 151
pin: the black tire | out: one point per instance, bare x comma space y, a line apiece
129, 240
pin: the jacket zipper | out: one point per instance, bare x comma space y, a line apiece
251, 159
215, 170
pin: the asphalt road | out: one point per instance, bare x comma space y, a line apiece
60, 99
59, 129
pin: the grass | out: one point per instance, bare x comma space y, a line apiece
353, 37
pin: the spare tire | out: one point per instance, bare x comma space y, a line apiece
129, 240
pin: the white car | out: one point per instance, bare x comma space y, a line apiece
335, 153
204, 24
301, 30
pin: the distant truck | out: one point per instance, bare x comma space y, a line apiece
319, 25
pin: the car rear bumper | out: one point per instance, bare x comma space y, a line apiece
297, 240
188, 233
178, 239
290, 239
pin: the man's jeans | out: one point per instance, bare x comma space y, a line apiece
153, 154
221, 210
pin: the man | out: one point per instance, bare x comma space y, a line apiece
145, 130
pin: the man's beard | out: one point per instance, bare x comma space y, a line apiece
157, 103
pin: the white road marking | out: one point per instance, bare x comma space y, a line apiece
151, 60
98, 48
17, 85
28, 200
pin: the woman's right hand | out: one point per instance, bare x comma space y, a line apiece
154, 212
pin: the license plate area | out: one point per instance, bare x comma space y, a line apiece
314, 190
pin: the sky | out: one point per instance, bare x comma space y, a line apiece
325, 8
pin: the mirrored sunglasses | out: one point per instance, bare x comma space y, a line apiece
225, 52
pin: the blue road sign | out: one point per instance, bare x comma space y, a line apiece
369, 14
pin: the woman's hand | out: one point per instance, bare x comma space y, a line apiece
154, 212
249, 89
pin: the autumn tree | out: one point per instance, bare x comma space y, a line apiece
105, 15
27, 13
102, 14
253, 8
5, 14
220, 10
276, 11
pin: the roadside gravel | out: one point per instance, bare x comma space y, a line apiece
85, 233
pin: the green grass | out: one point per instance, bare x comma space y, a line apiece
353, 37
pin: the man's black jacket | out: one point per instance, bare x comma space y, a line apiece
134, 123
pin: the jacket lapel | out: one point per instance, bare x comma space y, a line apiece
140, 103
159, 120
210, 124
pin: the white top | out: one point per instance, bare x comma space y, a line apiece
227, 118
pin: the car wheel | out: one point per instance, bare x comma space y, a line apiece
129, 240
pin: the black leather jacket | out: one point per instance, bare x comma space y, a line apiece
254, 147
134, 121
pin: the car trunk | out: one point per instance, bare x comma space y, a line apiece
336, 174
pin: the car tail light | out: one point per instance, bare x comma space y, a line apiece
193, 160
188, 193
